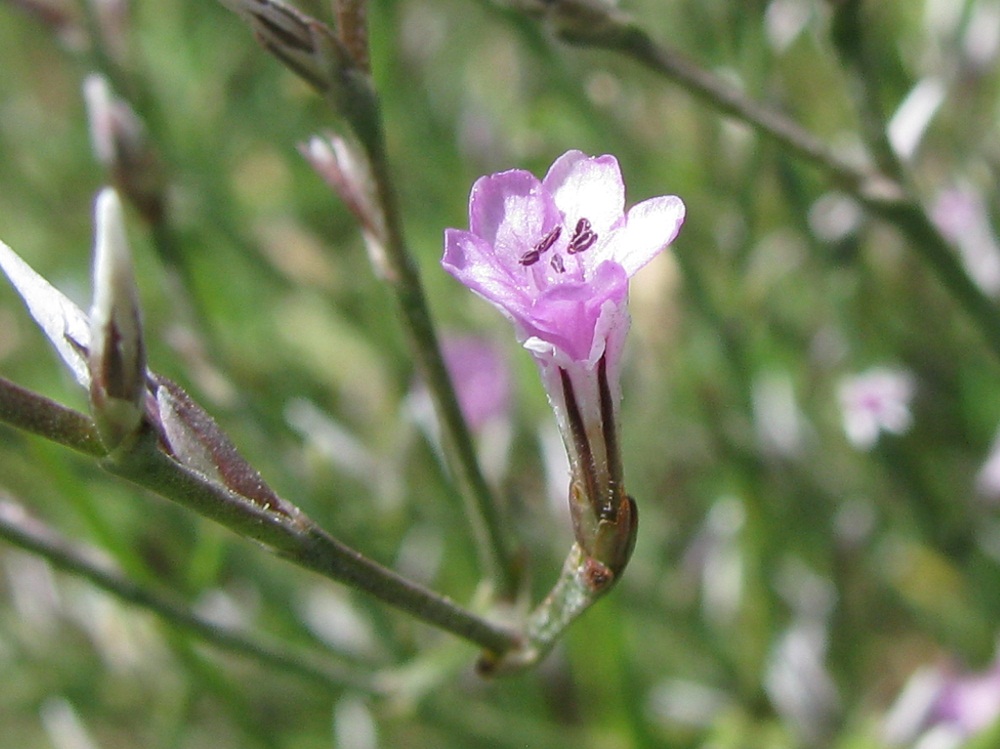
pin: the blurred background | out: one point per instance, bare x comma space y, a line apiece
808, 420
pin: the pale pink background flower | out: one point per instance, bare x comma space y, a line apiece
876, 401
942, 707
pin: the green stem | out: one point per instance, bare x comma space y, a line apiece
481, 505
723, 96
17, 528
298, 539
925, 239
573, 593
37, 414
849, 33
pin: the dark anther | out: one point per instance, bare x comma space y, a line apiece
557, 263
583, 237
548, 240
530, 257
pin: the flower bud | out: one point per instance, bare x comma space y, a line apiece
117, 357
122, 145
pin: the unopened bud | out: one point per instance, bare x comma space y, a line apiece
122, 145
193, 438
302, 43
346, 172
117, 353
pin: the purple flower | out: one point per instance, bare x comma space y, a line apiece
555, 257
943, 706
482, 380
969, 701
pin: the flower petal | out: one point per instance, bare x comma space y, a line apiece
567, 315
510, 211
588, 187
472, 261
647, 228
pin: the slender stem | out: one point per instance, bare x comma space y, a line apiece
570, 597
912, 220
850, 37
299, 540
730, 100
352, 28
30, 534
482, 506
37, 414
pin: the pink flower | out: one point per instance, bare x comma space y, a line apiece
482, 380
874, 402
943, 706
555, 257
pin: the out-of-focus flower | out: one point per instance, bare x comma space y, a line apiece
942, 707
778, 420
961, 215
876, 401
122, 145
714, 557
481, 377
988, 478
555, 256
340, 165
799, 684
482, 383
914, 115
784, 21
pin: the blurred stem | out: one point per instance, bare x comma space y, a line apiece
352, 28
629, 39
481, 504
590, 23
17, 528
37, 414
299, 540
849, 33
912, 221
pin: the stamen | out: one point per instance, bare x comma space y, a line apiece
533, 255
557, 263
583, 237
548, 240
530, 257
